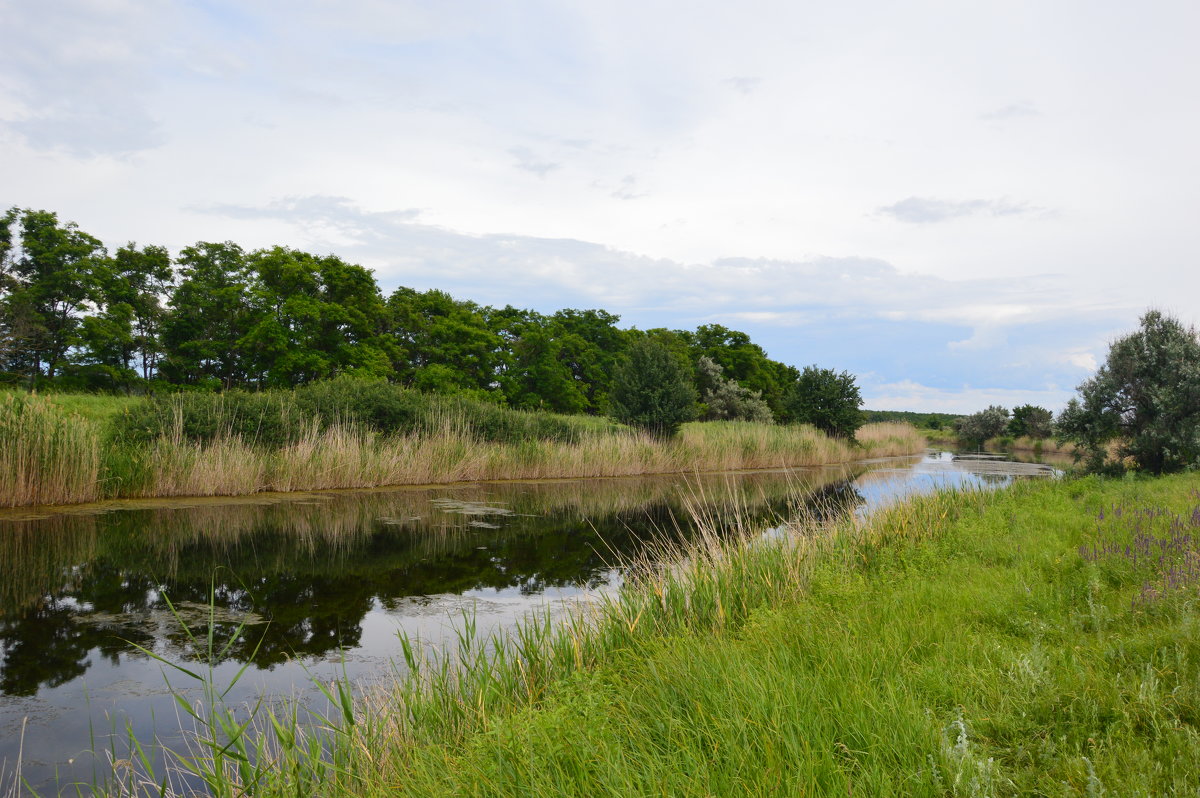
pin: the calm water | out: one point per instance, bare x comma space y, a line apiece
326, 581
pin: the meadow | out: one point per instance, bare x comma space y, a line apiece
1042, 640
62, 449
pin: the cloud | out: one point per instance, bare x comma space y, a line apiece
926, 210
914, 396
1011, 111
531, 163
627, 189
744, 85
80, 77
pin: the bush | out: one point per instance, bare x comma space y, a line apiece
1031, 421
726, 400
279, 418
982, 426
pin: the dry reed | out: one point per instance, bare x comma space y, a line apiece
52, 458
46, 455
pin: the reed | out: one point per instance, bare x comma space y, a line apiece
46, 455
227, 446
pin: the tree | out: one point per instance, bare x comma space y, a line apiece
1031, 421
316, 318
827, 399
210, 313
723, 399
982, 426
445, 345
50, 279
1146, 397
124, 330
651, 390
744, 362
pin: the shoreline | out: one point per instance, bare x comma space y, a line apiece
37, 512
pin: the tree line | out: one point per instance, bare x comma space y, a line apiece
215, 316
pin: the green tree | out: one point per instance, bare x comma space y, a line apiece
979, 427
123, 332
743, 361
590, 345
540, 377
827, 399
1146, 397
651, 390
1031, 421
314, 318
445, 345
211, 312
50, 279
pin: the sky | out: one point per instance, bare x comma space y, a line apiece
962, 204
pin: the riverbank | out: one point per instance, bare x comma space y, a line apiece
49, 455
1024, 444
1038, 640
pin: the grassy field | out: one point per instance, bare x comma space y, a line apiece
64, 449
1043, 640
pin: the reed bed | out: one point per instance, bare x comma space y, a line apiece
53, 457
46, 456
959, 644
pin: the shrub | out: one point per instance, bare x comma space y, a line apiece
979, 427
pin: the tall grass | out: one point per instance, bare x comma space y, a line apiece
46, 456
207, 445
960, 644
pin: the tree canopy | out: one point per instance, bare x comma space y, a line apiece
215, 316
827, 399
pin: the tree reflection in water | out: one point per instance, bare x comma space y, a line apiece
304, 573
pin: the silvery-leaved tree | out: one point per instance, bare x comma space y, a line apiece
1145, 398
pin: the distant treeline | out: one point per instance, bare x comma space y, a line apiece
75, 316
919, 420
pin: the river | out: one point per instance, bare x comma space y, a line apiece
319, 585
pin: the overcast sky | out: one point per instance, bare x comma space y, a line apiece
962, 203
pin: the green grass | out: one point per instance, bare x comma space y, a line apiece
954, 645
100, 408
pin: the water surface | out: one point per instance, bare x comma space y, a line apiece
319, 585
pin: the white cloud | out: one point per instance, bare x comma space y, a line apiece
925, 210
913, 396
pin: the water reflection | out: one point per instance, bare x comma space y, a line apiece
327, 580
302, 575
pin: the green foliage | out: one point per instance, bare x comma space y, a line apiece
272, 419
1146, 397
317, 318
744, 362
48, 279
651, 390
827, 399
1031, 421
979, 427
71, 317
932, 421
726, 400
210, 313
